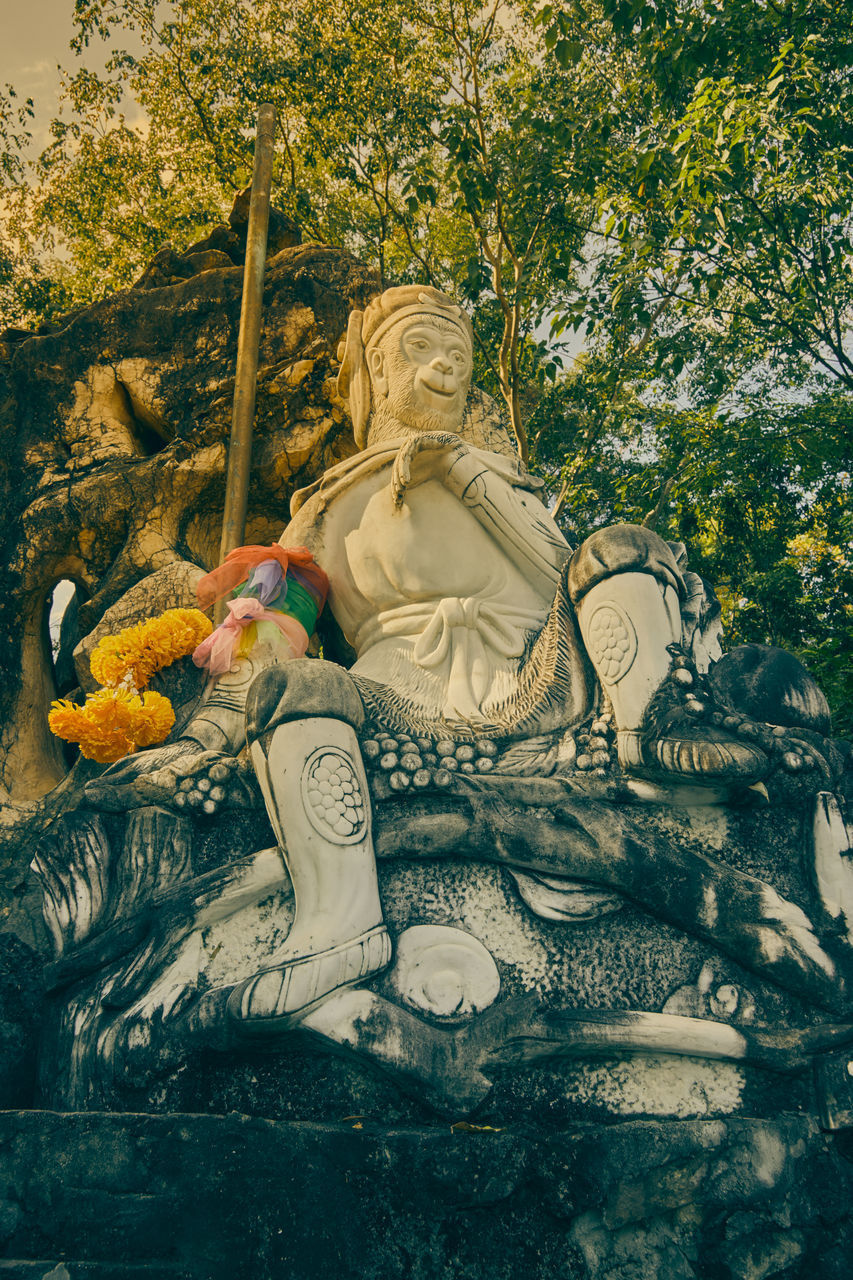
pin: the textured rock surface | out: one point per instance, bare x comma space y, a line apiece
113, 436
114, 430
209, 1197
128, 1029
21, 998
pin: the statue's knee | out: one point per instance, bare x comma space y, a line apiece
299, 689
622, 548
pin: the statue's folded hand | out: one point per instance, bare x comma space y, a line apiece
180, 775
423, 457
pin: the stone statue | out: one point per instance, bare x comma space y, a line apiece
476, 633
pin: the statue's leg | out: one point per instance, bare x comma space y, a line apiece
626, 587
301, 726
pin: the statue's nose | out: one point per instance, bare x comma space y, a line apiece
441, 364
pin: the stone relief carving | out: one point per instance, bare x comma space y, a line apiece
512, 709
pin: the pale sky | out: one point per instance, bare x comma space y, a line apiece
34, 38
33, 33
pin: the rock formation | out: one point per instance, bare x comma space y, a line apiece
114, 428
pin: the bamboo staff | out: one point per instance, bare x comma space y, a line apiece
240, 445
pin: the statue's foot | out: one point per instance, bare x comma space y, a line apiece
687, 752
279, 995
685, 738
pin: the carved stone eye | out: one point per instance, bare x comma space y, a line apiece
444, 971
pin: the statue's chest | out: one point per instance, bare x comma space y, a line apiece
430, 548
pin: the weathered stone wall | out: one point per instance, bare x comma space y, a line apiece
113, 436
237, 1198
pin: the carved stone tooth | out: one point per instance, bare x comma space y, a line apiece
156, 855
73, 864
833, 860
55, 909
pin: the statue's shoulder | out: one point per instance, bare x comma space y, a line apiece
342, 477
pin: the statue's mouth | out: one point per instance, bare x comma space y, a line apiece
438, 391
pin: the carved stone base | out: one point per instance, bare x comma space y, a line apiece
511, 996
187, 1197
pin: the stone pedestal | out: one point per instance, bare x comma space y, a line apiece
512, 998
188, 1197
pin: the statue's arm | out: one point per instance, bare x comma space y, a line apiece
510, 514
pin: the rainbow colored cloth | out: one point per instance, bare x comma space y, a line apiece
279, 593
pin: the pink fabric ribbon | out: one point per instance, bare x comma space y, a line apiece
216, 652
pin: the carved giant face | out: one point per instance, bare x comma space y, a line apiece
420, 371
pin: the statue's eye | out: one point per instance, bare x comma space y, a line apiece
419, 344
458, 357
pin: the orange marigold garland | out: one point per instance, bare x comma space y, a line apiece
113, 722
119, 718
139, 651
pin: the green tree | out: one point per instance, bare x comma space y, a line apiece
432, 139
14, 137
726, 210
714, 400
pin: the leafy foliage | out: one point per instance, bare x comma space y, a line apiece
715, 399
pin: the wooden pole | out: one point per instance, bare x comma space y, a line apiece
242, 418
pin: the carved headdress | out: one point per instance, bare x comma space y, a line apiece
367, 327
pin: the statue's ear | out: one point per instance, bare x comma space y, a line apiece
353, 381
376, 366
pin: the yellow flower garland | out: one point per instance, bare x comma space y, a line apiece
119, 718
113, 722
139, 651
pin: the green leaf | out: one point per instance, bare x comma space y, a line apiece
568, 52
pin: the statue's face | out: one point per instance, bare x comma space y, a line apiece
421, 371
